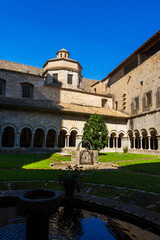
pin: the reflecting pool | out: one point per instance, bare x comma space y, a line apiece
73, 223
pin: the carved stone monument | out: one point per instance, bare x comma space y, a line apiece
84, 156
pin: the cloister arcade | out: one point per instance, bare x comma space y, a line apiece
40, 137
26, 137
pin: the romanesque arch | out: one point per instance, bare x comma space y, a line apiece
153, 139
144, 136
72, 138
121, 134
25, 137
39, 138
51, 137
8, 137
137, 139
62, 138
113, 135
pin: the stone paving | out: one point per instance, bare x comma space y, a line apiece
99, 166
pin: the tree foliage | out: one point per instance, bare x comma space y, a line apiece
95, 131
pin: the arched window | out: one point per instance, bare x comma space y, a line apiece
27, 90
2, 87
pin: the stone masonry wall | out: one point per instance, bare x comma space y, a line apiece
148, 73
58, 121
14, 89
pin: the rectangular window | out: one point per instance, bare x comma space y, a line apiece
148, 98
79, 83
69, 79
104, 103
27, 91
136, 103
55, 77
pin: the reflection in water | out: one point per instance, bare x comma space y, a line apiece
70, 223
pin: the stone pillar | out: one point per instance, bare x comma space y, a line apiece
17, 140
0, 139
32, 141
67, 140
129, 142
158, 142
116, 142
56, 141
149, 143
78, 139
108, 142
125, 142
141, 138
134, 142
44, 140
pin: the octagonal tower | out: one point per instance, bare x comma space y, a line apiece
63, 71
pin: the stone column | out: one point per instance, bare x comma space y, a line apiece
149, 143
129, 142
17, 140
141, 138
125, 142
116, 142
0, 139
158, 141
78, 139
108, 142
67, 140
32, 141
56, 141
44, 140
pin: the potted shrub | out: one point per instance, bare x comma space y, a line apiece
70, 180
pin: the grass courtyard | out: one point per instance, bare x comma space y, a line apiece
137, 173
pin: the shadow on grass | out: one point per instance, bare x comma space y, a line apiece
29, 160
148, 168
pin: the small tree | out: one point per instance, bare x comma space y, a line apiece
95, 131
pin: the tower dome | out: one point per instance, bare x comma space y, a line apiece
63, 53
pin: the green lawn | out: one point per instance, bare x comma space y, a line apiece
30, 160
133, 174
114, 157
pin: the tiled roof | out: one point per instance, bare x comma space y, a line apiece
91, 110
17, 67
47, 105
87, 83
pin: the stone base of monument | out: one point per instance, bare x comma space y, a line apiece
84, 157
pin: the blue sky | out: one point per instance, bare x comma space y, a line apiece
33, 31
